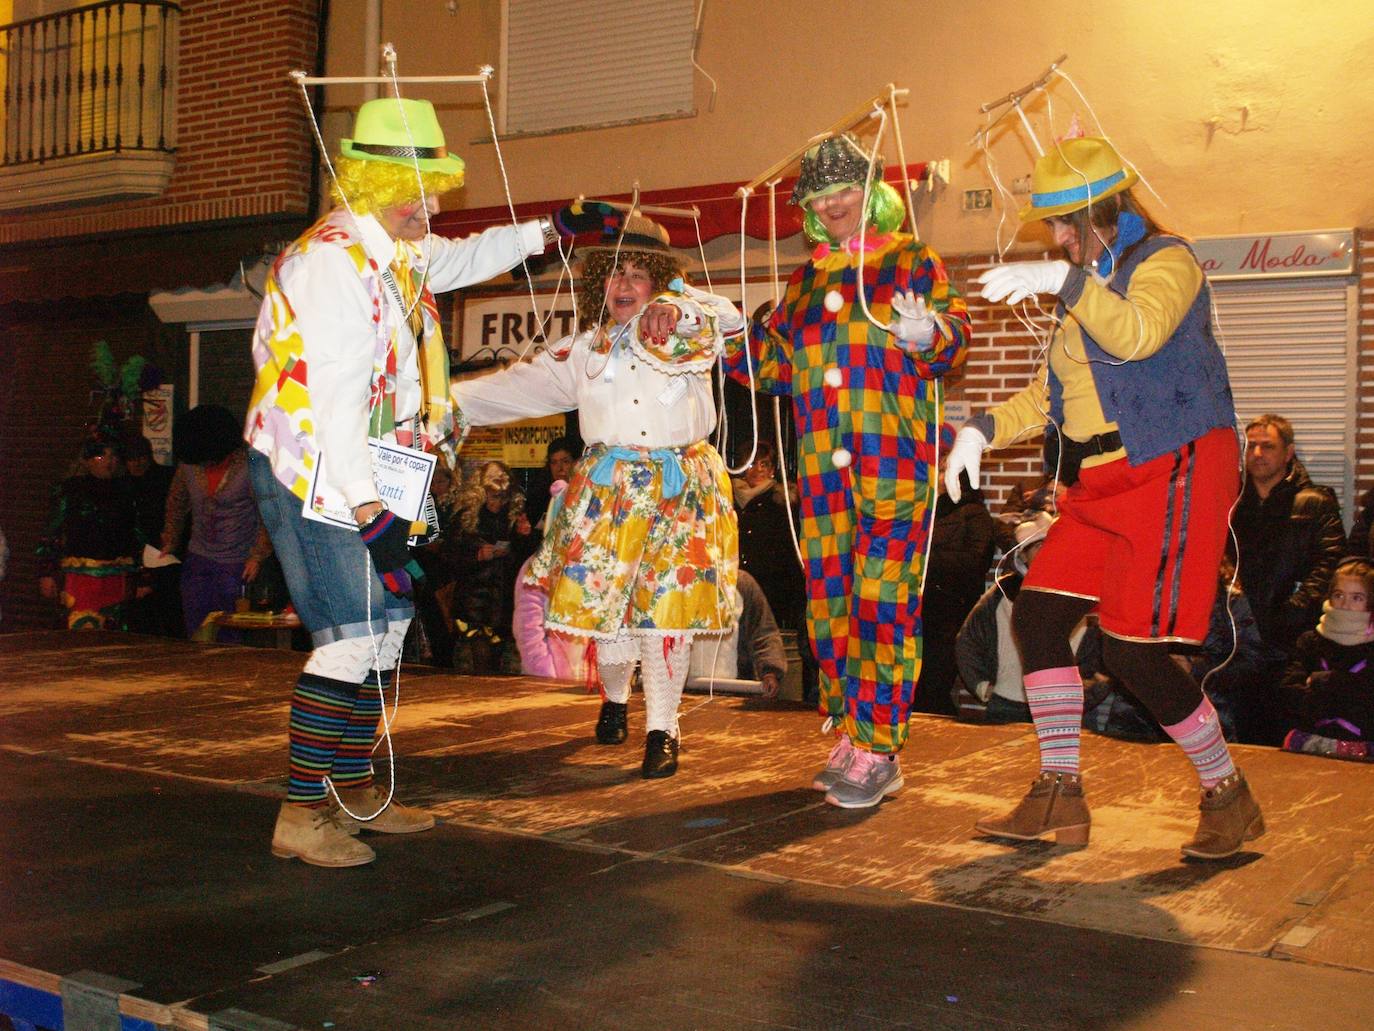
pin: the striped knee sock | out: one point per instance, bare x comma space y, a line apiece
352, 767
1199, 735
319, 714
1055, 697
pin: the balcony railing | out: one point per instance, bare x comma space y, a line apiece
92, 80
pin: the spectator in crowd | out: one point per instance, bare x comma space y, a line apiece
960, 556
1230, 664
1290, 537
754, 650
1031, 495
228, 542
489, 518
1329, 686
767, 552
988, 660
761, 653
434, 593
765, 536
93, 543
545, 652
160, 611
559, 459
1360, 541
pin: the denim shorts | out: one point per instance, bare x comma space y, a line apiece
333, 585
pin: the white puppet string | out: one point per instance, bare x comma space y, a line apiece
515, 221
748, 356
901, 158
779, 452
343, 197
932, 487
1059, 72
779, 461
1103, 242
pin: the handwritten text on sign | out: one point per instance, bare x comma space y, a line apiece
400, 474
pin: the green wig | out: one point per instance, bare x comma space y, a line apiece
886, 212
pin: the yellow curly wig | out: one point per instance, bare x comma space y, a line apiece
374, 186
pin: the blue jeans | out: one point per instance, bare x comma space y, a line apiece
334, 586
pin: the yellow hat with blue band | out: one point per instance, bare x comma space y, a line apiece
1073, 175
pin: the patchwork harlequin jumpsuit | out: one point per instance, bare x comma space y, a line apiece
863, 527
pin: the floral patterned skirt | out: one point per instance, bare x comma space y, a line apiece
622, 556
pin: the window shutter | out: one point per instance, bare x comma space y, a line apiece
1290, 350
572, 64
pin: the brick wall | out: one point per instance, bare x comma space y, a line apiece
243, 135
1000, 363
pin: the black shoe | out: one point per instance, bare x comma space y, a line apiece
610, 725
660, 755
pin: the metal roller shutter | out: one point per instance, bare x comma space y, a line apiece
571, 64
1290, 349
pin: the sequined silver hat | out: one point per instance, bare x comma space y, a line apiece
837, 162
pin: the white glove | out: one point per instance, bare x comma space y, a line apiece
915, 325
965, 456
1017, 280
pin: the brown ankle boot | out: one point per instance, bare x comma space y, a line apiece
314, 836
394, 819
1230, 816
1054, 803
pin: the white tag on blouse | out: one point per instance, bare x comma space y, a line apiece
674, 392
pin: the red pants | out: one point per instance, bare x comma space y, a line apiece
1146, 541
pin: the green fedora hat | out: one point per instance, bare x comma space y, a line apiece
401, 132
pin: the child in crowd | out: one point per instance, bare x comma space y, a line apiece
1329, 687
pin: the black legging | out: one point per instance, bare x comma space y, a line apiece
1042, 623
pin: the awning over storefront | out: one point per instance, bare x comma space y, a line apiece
719, 204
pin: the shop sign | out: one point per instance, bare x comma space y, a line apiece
521, 445
157, 421
1278, 255
507, 326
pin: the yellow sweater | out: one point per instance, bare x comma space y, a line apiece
1129, 328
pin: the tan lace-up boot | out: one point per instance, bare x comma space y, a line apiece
1229, 817
1054, 803
394, 819
315, 837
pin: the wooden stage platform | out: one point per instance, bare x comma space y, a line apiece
139, 781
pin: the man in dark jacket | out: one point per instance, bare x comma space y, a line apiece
1360, 542
1290, 536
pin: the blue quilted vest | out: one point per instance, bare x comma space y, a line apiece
1174, 396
